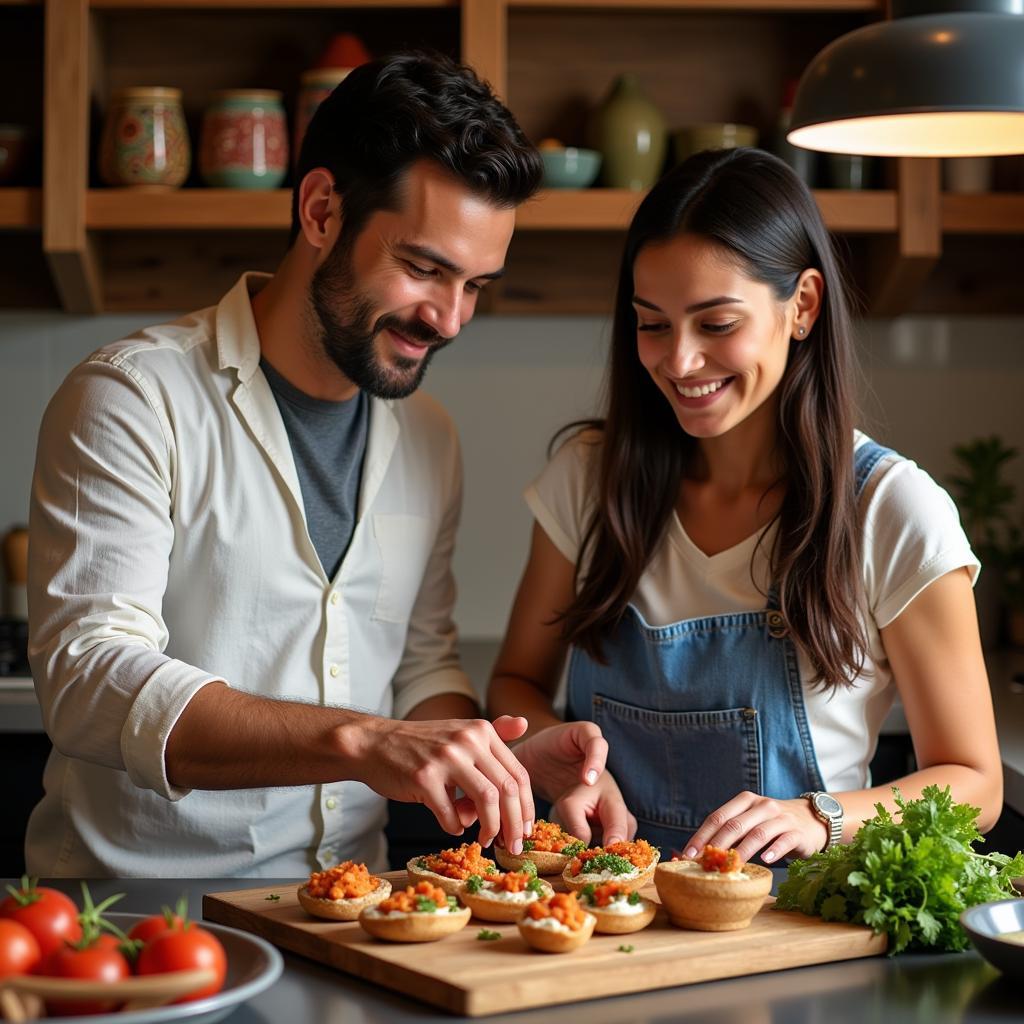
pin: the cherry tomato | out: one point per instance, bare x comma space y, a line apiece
48, 914
19, 949
150, 927
98, 961
185, 949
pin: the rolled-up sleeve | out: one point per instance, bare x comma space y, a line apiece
430, 664
100, 537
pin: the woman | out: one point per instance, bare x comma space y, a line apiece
740, 580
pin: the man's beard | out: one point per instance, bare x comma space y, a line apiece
349, 342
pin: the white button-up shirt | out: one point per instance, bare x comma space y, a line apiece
169, 549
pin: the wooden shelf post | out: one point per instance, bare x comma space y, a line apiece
69, 250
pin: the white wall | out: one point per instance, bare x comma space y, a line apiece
510, 382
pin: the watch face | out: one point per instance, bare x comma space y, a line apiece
828, 804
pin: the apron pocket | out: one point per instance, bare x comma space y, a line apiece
675, 767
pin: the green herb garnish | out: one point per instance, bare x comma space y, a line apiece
453, 904
422, 863
909, 878
425, 906
474, 883
486, 935
587, 892
490, 870
610, 862
273, 897
529, 868
626, 949
528, 845
573, 849
633, 899
535, 885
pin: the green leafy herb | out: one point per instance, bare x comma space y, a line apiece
490, 870
587, 892
573, 849
453, 904
425, 906
535, 885
909, 878
633, 899
273, 897
626, 949
527, 845
610, 862
486, 935
529, 868
474, 884
422, 863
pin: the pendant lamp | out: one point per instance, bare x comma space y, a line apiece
940, 78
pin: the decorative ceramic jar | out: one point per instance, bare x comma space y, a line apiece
695, 138
244, 140
145, 141
317, 85
629, 132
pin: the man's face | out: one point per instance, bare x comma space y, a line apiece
402, 289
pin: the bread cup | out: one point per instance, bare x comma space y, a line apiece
491, 899
712, 899
420, 913
345, 877
545, 847
618, 910
630, 863
550, 935
454, 867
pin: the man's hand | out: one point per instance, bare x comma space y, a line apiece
427, 761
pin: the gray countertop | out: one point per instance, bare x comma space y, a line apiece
920, 988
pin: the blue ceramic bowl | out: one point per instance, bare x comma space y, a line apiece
570, 167
987, 924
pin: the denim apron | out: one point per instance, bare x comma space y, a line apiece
697, 711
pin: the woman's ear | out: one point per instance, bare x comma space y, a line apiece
319, 210
806, 303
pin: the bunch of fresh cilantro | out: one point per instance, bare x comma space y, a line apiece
909, 878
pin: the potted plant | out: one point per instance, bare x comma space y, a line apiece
984, 497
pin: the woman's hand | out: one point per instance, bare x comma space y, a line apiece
602, 803
750, 823
563, 756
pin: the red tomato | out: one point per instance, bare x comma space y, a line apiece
150, 927
182, 950
97, 962
48, 914
19, 949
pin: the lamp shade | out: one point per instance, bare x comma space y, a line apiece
925, 84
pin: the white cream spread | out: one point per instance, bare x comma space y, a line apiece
551, 924
617, 906
606, 876
501, 896
374, 912
693, 867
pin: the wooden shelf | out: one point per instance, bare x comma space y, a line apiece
127, 209
993, 213
21, 208
196, 5
799, 6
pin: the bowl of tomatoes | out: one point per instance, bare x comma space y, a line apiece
62, 962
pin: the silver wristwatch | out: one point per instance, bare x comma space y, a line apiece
830, 811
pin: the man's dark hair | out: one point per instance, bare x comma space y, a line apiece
389, 113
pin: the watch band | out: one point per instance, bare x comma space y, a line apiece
833, 820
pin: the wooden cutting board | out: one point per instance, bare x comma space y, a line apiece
472, 977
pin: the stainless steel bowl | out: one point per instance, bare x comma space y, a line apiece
987, 923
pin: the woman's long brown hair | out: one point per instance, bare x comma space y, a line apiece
756, 208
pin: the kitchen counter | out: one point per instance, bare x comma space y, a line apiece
931, 988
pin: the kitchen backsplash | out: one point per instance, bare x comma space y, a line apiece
510, 382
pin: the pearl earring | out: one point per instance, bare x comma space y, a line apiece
801, 330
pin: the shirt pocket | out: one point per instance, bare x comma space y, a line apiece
404, 543
675, 767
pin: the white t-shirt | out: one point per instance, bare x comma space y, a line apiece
912, 536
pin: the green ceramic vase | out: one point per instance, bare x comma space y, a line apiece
629, 131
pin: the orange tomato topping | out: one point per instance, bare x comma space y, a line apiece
715, 859
563, 907
460, 862
405, 902
512, 881
605, 894
346, 881
638, 852
547, 837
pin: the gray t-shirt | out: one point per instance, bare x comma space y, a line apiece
328, 442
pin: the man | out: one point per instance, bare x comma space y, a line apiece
242, 527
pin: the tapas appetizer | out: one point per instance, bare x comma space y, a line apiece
341, 893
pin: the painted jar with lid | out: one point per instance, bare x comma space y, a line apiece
317, 85
145, 139
244, 140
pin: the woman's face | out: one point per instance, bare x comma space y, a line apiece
714, 341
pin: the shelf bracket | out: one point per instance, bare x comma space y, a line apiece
900, 264
71, 253
485, 42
